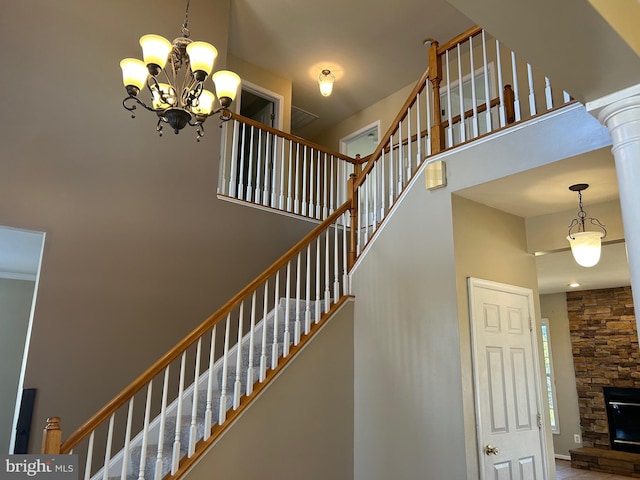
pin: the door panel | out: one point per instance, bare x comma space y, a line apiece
504, 355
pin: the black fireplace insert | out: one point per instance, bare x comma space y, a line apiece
623, 414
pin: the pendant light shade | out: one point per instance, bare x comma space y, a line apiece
134, 73
205, 103
201, 55
226, 83
155, 50
586, 245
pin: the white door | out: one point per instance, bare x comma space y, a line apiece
507, 378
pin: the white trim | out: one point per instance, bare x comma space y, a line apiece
351, 136
18, 276
277, 99
562, 457
473, 283
602, 102
25, 355
544, 322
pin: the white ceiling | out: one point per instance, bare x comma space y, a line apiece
19, 253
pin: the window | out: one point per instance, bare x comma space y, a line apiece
548, 370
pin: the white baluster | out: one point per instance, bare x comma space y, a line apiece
547, 93
566, 97
428, 92
532, 94
304, 180
208, 413
222, 415
449, 116
376, 186
366, 187
263, 350
487, 94
345, 239
312, 184
252, 329
241, 185
268, 166
296, 198
463, 127
419, 130
290, 174
503, 114
176, 442
382, 181
237, 386
296, 328
287, 314
325, 204
249, 192
336, 259
282, 169
107, 451
400, 160
307, 311
234, 159
193, 432
391, 172
274, 351
163, 421
224, 151
332, 183
127, 441
516, 88
318, 268
145, 432
318, 207
474, 97
327, 273
87, 466
257, 194
409, 142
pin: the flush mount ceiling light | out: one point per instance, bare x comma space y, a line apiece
180, 99
585, 245
325, 81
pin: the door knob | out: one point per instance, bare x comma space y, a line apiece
490, 450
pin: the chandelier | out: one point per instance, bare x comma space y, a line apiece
585, 245
180, 97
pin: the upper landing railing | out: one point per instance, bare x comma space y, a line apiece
166, 419
473, 86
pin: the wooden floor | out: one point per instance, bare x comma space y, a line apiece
565, 472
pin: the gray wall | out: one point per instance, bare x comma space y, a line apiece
301, 427
554, 307
414, 414
15, 308
139, 249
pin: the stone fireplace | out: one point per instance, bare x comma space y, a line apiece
604, 341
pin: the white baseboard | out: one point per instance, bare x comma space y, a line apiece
562, 457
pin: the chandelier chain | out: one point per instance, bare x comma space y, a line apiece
185, 30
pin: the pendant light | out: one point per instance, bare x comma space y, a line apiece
585, 245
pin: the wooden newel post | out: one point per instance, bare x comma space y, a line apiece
52, 436
435, 77
353, 235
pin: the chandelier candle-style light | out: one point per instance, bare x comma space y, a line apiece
585, 245
181, 99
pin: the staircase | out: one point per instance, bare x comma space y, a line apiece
192, 395
150, 455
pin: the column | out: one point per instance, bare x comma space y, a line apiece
622, 118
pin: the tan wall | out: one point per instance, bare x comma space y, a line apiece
302, 425
15, 308
491, 245
554, 307
385, 111
139, 250
268, 80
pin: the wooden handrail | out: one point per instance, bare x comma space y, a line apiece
135, 386
292, 138
420, 84
472, 32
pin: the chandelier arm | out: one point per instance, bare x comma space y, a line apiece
132, 107
574, 223
159, 125
596, 222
